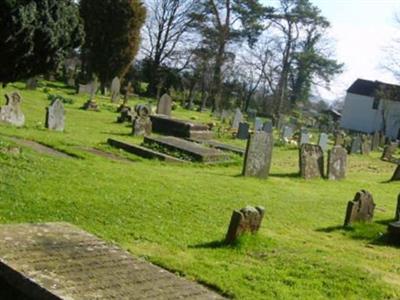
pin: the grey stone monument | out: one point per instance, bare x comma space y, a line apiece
142, 125
267, 127
304, 137
247, 220
243, 132
389, 151
361, 209
258, 124
115, 89
355, 145
91, 104
365, 145
375, 141
337, 163
164, 106
55, 116
311, 161
287, 132
11, 113
237, 119
257, 161
323, 141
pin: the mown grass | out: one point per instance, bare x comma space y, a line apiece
177, 215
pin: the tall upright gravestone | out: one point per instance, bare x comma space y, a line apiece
311, 161
237, 119
11, 113
164, 106
257, 161
55, 116
323, 141
337, 163
361, 209
115, 89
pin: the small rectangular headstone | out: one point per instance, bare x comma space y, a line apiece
311, 161
267, 127
337, 163
304, 137
243, 132
257, 162
323, 141
361, 209
287, 132
355, 145
258, 124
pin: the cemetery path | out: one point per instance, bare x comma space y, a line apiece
61, 261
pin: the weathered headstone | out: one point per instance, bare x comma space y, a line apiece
243, 132
311, 161
365, 145
237, 119
225, 116
115, 89
55, 116
247, 220
337, 163
304, 137
85, 88
323, 141
267, 127
375, 141
258, 124
11, 113
164, 106
91, 104
339, 139
287, 132
361, 209
31, 84
389, 151
355, 145
257, 161
142, 124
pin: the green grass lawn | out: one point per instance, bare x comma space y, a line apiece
177, 215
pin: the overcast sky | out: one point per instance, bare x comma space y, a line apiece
361, 30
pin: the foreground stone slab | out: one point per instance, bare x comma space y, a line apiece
257, 162
221, 146
361, 209
143, 152
311, 161
42, 149
59, 261
194, 151
180, 128
247, 220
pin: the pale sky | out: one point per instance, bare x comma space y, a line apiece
361, 30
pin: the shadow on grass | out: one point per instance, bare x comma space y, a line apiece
117, 133
212, 245
285, 175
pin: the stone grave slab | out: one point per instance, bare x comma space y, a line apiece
361, 209
257, 161
180, 128
323, 141
195, 151
55, 116
243, 132
221, 146
143, 152
311, 161
337, 163
246, 220
11, 113
56, 261
164, 105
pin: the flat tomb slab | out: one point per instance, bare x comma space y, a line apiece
196, 151
180, 128
143, 152
221, 146
60, 261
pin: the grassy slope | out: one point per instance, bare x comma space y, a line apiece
176, 215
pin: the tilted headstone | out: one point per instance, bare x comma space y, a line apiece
375, 141
304, 137
257, 161
267, 127
164, 106
142, 124
11, 113
55, 116
258, 124
247, 220
361, 209
323, 141
115, 89
389, 151
243, 132
237, 119
396, 174
311, 161
365, 145
355, 145
337, 163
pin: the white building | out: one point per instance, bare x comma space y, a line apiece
372, 106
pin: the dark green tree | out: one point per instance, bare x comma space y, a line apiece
112, 41
35, 36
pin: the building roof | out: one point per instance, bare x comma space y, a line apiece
375, 89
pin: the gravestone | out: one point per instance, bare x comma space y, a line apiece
396, 174
251, 114
257, 161
287, 133
361, 209
247, 220
355, 145
382, 139
115, 89
323, 141
394, 232
389, 151
237, 119
11, 113
304, 137
225, 116
311, 161
375, 141
164, 105
339, 139
55, 116
31, 84
91, 104
365, 145
267, 127
243, 132
142, 125
85, 88
258, 124
337, 163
